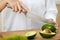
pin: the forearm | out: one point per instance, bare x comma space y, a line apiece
3, 4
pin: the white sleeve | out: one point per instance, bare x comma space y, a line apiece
51, 10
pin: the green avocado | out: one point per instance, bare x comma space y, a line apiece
47, 35
49, 26
31, 34
17, 37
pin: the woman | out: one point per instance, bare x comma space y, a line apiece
20, 21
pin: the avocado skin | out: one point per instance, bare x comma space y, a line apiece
49, 26
31, 37
47, 35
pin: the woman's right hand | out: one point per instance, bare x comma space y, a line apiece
17, 5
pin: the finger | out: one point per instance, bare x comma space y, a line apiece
52, 21
19, 7
12, 6
20, 11
16, 8
24, 7
56, 25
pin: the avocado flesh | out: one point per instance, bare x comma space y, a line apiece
30, 35
15, 38
47, 35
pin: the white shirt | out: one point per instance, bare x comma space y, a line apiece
21, 22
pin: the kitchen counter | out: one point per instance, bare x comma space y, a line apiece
38, 37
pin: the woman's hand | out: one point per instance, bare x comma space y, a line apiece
55, 23
17, 5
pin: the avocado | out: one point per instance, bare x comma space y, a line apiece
17, 37
49, 26
47, 33
31, 34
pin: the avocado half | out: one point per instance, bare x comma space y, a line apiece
49, 26
31, 34
47, 35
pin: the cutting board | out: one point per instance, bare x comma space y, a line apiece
38, 37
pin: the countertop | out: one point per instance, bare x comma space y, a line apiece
38, 37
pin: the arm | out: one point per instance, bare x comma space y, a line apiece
51, 10
3, 4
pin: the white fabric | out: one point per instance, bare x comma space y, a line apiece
51, 10
21, 22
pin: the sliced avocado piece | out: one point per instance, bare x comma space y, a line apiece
31, 34
47, 35
49, 26
17, 37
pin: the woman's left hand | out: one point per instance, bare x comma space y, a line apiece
53, 22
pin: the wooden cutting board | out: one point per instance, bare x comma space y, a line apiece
38, 37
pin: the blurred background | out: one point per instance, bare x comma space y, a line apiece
57, 1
